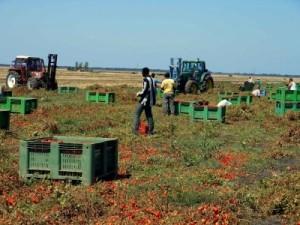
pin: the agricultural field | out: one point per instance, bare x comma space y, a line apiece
243, 171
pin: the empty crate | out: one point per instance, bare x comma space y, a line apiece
67, 90
69, 158
22, 105
4, 119
93, 96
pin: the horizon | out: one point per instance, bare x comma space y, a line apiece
232, 37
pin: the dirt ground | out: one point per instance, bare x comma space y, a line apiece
243, 171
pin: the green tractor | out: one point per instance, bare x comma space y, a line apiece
191, 76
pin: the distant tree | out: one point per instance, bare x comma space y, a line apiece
86, 66
76, 65
80, 66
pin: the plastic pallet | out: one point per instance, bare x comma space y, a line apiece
208, 113
69, 158
282, 107
4, 119
93, 96
67, 90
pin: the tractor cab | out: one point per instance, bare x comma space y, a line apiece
29, 63
190, 76
31, 71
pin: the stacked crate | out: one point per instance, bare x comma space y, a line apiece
287, 100
69, 158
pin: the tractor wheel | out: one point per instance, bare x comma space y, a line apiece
32, 83
208, 83
191, 87
12, 80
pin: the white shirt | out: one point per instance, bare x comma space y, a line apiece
223, 103
256, 92
293, 86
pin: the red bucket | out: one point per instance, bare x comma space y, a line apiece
143, 128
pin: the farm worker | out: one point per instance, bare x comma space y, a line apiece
292, 85
224, 103
156, 81
168, 88
256, 92
258, 83
147, 100
250, 80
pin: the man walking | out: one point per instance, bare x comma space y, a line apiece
292, 85
168, 87
147, 100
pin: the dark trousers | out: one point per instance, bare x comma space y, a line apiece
168, 104
137, 117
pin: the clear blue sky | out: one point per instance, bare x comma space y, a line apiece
230, 35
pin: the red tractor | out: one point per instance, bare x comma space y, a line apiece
31, 71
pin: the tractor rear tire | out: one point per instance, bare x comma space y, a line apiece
208, 83
32, 83
191, 86
12, 79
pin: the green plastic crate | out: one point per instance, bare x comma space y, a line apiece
238, 100
227, 94
69, 158
284, 95
22, 105
282, 107
4, 103
4, 119
6, 94
208, 113
67, 90
93, 96
269, 86
184, 107
272, 96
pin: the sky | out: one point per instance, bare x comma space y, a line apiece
257, 36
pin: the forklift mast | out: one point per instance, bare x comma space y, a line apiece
51, 72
